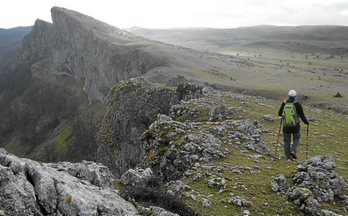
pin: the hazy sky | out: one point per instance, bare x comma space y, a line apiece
183, 13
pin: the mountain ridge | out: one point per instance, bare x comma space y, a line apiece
56, 87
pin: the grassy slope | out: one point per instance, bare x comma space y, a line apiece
327, 137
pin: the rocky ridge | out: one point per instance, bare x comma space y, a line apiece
173, 147
130, 133
31, 188
98, 56
87, 50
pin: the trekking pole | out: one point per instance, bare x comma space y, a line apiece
307, 142
280, 126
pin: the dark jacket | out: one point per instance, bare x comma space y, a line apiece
299, 111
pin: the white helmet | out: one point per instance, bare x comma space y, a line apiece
292, 93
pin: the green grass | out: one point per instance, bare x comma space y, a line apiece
327, 136
17, 145
63, 140
272, 73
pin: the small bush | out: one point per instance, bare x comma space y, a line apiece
185, 90
152, 193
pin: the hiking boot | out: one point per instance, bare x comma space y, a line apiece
293, 155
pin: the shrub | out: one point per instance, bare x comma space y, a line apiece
151, 192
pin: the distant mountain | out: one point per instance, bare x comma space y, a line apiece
10, 42
328, 39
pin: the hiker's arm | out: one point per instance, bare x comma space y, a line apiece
301, 113
280, 112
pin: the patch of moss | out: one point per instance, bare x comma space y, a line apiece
117, 153
146, 212
69, 200
182, 118
118, 185
16, 145
63, 140
115, 91
151, 155
203, 116
163, 149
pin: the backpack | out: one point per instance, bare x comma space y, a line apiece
290, 117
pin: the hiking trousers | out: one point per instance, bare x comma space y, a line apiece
288, 147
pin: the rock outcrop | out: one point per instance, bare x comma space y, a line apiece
314, 182
173, 147
31, 188
95, 173
134, 177
132, 107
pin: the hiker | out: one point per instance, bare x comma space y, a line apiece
291, 111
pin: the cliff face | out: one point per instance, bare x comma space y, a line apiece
52, 96
37, 44
93, 53
131, 108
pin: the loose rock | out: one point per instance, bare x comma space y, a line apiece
206, 203
280, 184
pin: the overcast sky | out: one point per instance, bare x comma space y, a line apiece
183, 13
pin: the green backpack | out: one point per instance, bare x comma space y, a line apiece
290, 117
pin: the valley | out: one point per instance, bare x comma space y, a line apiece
170, 122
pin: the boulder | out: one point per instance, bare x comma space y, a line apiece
161, 211
280, 184
304, 200
206, 203
217, 182
95, 173
315, 181
31, 188
268, 117
329, 213
338, 95
239, 201
318, 175
246, 213
136, 176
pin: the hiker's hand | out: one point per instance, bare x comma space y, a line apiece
307, 123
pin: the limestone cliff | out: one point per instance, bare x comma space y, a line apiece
131, 108
93, 53
52, 96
